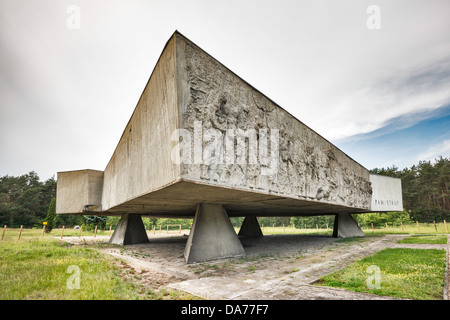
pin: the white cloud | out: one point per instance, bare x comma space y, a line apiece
435, 151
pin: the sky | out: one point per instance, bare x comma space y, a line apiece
372, 77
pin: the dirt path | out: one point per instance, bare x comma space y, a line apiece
275, 266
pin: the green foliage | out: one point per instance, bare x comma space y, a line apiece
149, 223
163, 222
273, 221
313, 222
51, 214
92, 221
380, 219
24, 200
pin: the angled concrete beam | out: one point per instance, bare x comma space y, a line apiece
212, 235
250, 227
129, 230
345, 226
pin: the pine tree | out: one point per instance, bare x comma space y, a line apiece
51, 214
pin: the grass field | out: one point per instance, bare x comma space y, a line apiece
37, 267
425, 239
44, 267
417, 274
424, 228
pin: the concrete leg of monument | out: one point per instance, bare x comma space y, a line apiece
129, 230
345, 226
250, 228
212, 235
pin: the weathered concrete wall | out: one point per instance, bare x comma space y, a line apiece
142, 161
79, 191
309, 167
386, 193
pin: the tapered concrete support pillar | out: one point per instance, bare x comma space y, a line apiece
250, 227
345, 226
130, 230
212, 235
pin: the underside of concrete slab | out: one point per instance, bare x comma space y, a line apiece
212, 235
345, 226
129, 230
250, 228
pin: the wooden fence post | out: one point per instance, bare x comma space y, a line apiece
4, 230
20, 232
95, 231
373, 230
435, 225
43, 230
110, 230
79, 235
62, 232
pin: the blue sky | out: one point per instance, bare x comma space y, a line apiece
406, 140
69, 86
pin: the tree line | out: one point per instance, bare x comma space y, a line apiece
25, 200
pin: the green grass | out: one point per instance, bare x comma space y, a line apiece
425, 239
40, 268
424, 228
417, 274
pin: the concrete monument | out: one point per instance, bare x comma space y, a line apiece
204, 143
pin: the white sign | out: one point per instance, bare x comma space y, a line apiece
386, 193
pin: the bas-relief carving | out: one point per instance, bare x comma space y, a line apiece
309, 167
